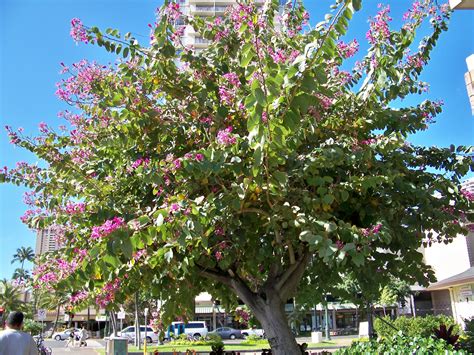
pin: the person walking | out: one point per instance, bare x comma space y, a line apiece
72, 338
15, 342
82, 337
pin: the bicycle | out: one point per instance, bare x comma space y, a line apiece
42, 349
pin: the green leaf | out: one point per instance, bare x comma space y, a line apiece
126, 246
125, 52
357, 4
260, 96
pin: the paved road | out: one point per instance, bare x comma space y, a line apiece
59, 347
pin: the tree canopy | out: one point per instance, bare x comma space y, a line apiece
246, 166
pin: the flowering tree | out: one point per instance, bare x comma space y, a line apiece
244, 167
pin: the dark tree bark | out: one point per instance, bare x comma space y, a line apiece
268, 302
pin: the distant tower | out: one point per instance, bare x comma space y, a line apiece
46, 241
469, 76
204, 8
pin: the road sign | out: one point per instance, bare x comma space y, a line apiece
146, 311
41, 314
101, 318
66, 317
121, 315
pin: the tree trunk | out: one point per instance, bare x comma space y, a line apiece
56, 320
278, 332
268, 302
370, 320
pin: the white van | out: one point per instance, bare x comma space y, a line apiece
196, 329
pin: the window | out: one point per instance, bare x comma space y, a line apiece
195, 325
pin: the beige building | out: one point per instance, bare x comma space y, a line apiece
453, 265
45, 241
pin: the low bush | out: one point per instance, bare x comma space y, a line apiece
211, 340
466, 340
400, 344
255, 340
32, 327
414, 326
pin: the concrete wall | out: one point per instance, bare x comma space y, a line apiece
448, 259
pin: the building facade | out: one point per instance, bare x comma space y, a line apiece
453, 264
46, 241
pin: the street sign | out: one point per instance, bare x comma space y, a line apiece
101, 318
146, 311
66, 317
41, 314
121, 315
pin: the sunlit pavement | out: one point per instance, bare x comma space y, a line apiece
59, 347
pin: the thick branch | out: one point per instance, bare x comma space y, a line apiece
215, 275
288, 281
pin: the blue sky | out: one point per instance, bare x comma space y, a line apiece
34, 40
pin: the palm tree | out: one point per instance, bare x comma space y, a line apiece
21, 274
10, 298
50, 299
23, 254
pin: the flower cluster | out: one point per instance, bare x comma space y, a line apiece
108, 227
78, 32
224, 136
155, 322
281, 56
468, 194
13, 136
172, 11
372, 230
80, 83
107, 293
143, 161
227, 92
78, 297
379, 30
347, 50
75, 208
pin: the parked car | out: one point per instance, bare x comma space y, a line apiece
64, 334
227, 333
253, 331
129, 333
195, 329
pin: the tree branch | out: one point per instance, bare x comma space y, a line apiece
288, 281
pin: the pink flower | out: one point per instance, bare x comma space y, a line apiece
173, 11
218, 255
78, 32
379, 30
108, 227
174, 207
75, 208
224, 137
199, 157
347, 50
177, 163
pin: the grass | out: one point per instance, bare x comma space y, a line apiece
228, 347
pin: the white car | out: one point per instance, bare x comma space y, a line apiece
253, 331
129, 333
196, 329
64, 334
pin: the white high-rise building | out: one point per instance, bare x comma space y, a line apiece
204, 8
46, 241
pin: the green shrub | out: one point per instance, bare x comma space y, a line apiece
255, 340
414, 326
210, 339
467, 339
400, 344
32, 327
